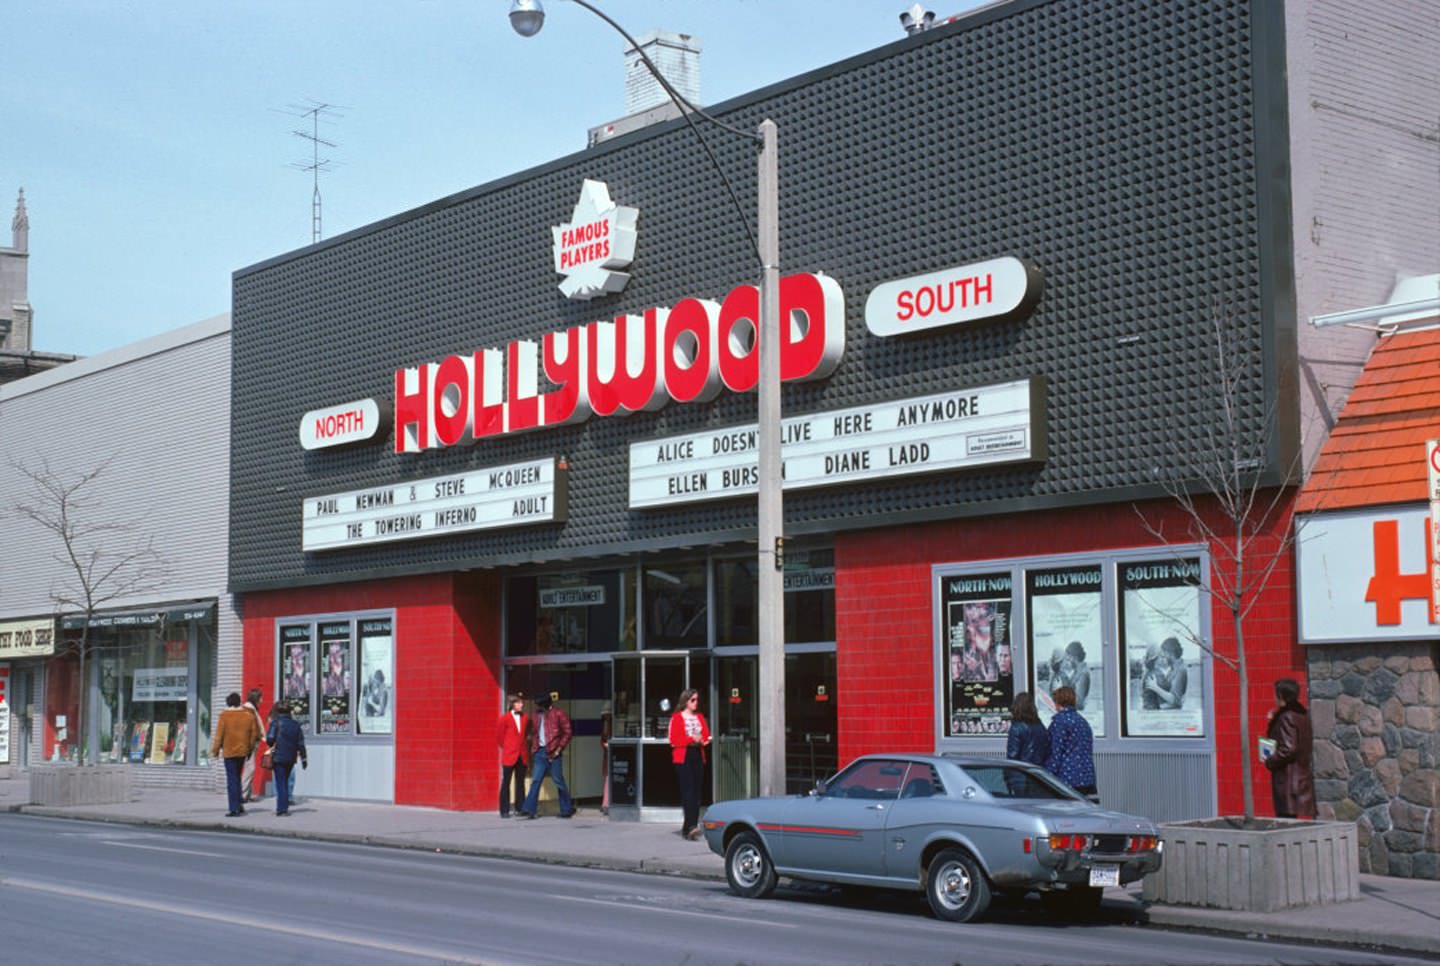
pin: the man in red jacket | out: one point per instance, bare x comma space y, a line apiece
514, 741
549, 734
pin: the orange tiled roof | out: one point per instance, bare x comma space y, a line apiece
1376, 453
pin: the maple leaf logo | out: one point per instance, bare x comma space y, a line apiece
598, 240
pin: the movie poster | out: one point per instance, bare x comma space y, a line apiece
295, 679
1066, 642
975, 614
375, 715
336, 679
1160, 620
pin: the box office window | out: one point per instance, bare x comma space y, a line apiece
337, 674
1123, 631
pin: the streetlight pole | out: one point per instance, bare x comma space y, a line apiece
527, 17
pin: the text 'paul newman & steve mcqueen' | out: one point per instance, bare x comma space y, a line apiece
688, 352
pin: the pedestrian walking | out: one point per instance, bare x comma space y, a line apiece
549, 734
1072, 744
247, 775
1027, 739
1292, 783
689, 737
287, 745
514, 740
236, 735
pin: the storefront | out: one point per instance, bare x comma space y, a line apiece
148, 675
1368, 614
522, 450
25, 646
132, 441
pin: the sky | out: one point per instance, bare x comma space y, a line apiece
154, 139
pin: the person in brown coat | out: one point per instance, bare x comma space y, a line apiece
1291, 781
236, 735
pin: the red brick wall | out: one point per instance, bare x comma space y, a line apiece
447, 673
884, 613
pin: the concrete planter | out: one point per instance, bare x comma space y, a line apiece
1288, 863
65, 785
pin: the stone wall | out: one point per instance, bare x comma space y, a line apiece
1377, 750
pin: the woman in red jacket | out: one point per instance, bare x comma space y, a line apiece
689, 735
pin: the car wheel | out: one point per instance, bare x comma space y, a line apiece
748, 867
956, 887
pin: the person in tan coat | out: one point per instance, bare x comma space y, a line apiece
236, 735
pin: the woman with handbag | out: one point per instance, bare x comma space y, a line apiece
287, 743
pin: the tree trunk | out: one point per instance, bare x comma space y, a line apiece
1245, 767
81, 735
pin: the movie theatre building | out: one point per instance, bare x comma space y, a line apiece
507, 442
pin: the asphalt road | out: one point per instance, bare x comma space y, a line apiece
79, 892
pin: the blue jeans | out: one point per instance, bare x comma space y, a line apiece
284, 775
233, 769
545, 765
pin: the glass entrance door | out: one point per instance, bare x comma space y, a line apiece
646, 687
735, 724
811, 747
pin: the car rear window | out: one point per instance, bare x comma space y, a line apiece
1005, 781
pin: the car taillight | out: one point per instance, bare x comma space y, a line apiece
1141, 843
1063, 842
1026, 844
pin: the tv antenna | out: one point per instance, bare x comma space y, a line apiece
314, 112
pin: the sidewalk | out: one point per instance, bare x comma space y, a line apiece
1395, 914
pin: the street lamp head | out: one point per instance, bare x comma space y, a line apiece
527, 17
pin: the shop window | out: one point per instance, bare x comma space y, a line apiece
809, 583
143, 684
675, 611
1064, 614
576, 613
318, 679
975, 611
1160, 622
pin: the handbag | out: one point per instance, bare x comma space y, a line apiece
267, 760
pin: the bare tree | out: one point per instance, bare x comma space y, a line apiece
1230, 506
101, 560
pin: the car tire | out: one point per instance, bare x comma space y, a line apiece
956, 887
748, 868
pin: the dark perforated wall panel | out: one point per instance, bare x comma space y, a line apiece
1118, 146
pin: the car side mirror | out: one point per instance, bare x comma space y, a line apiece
819, 791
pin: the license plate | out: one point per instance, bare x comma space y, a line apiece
1105, 875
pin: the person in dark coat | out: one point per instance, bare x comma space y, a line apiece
287, 743
1292, 783
1072, 745
1027, 741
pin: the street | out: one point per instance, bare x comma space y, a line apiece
83, 892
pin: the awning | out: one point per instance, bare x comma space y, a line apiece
144, 617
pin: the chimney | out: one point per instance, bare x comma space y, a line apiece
677, 57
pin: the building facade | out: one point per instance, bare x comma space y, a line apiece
123, 666
1000, 312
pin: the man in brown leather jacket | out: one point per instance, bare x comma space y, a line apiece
549, 734
1291, 781
236, 735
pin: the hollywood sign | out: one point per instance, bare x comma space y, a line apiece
688, 352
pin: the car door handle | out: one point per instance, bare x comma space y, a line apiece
876, 808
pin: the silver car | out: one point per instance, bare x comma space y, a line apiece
961, 829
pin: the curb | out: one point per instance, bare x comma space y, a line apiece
1259, 926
